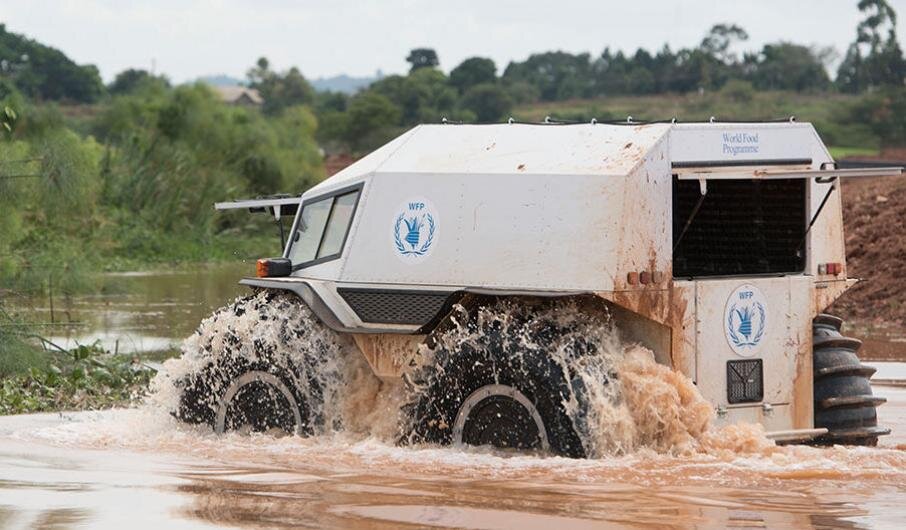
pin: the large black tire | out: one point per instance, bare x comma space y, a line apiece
261, 363
844, 403
503, 375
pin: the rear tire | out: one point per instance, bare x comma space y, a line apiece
494, 380
844, 403
259, 365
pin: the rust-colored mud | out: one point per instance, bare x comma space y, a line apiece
874, 216
125, 469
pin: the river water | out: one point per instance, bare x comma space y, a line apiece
141, 312
138, 468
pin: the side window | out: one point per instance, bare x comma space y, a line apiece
338, 224
311, 227
322, 228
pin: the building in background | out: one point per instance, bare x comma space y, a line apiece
239, 95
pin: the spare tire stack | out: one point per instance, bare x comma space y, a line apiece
844, 403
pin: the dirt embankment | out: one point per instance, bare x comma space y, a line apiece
874, 217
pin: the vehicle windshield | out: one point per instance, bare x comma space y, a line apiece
321, 229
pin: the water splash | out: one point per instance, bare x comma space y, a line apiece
272, 328
620, 400
626, 401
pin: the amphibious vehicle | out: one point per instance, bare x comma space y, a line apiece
716, 245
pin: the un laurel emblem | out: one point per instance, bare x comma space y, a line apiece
745, 320
415, 230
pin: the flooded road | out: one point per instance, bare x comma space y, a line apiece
138, 468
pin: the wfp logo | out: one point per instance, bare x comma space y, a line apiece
746, 319
415, 230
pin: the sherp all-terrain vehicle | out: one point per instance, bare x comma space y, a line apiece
715, 245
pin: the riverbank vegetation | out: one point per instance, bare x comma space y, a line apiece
96, 177
122, 176
85, 378
37, 375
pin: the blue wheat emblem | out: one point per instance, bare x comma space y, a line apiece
414, 225
413, 237
745, 321
744, 333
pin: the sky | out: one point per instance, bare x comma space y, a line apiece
186, 39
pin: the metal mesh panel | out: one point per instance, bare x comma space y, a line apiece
743, 227
394, 307
745, 382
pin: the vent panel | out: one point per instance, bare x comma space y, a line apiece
394, 307
745, 383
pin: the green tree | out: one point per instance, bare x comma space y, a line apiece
280, 91
875, 58
473, 71
371, 117
422, 58
135, 79
719, 40
42, 72
423, 96
556, 75
851, 74
787, 66
488, 101
883, 111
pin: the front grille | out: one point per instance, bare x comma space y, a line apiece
381, 306
745, 383
743, 227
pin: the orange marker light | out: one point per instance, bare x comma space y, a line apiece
273, 267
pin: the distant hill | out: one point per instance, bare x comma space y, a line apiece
338, 83
45, 73
344, 83
221, 80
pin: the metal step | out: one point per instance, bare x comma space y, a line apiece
854, 369
823, 319
855, 434
851, 402
846, 343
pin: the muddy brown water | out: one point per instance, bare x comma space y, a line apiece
138, 468
140, 312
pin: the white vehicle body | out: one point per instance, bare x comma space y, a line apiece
564, 210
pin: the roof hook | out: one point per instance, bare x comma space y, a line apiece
712, 119
594, 121
547, 119
443, 119
792, 119
510, 120
673, 119
628, 119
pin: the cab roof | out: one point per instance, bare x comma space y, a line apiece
587, 149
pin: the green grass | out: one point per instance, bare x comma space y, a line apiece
844, 152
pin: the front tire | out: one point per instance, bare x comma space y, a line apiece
262, 364
507, 376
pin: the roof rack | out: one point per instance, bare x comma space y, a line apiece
629, 120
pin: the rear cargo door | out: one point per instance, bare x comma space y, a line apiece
752, 334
